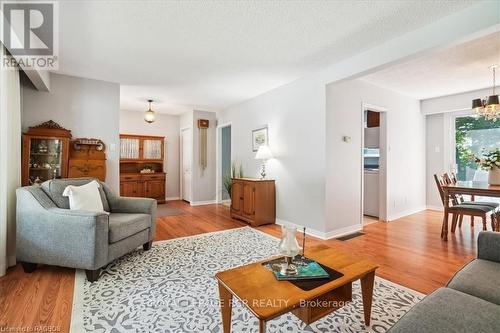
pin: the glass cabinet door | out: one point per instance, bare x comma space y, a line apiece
129, 148
45, 159
152, 149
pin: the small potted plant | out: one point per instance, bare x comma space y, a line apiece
489, 160
228, 177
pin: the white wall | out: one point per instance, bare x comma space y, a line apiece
89, 108
405, 152
186, 120
295, 118
435, 158
451, 103
203, 180
132, 122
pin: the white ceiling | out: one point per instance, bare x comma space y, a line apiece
213, 54
454, 70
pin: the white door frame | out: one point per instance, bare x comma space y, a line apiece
218, 164
449, 150
383, 147
188, 128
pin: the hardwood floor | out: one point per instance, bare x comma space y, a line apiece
409, 251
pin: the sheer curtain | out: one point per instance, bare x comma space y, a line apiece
10, 161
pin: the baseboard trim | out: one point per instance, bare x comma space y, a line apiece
343, 231
436, 208
172, 198
406, 213
309, 231
223, 201
202, 203
325, 235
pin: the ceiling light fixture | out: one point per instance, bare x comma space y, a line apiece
488, 108
149, 116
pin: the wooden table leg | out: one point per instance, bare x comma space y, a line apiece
444, 229
367, 293
454, 220
226, 304
262, 326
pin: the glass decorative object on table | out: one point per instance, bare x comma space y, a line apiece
301, 260
288, 247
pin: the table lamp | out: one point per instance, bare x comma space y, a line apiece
264, 154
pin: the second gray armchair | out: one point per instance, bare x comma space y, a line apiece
48, 232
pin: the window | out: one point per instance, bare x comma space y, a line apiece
471, 135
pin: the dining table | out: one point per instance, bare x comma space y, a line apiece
472, 188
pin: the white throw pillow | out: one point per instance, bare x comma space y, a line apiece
85, 197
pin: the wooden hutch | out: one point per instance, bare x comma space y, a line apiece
87, 158
141, 166
45, 153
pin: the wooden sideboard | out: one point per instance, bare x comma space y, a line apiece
139, 152
253, 200
151, 185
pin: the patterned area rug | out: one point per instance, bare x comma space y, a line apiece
172, 288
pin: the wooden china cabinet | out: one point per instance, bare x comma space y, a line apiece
45, 153
141, 166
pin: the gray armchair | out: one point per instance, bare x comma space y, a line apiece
48, 232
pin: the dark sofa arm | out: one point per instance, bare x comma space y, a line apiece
488, 246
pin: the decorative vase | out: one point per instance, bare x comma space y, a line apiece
289, 247
494, 176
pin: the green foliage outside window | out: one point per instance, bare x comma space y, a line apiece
467, 145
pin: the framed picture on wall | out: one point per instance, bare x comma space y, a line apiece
259, 138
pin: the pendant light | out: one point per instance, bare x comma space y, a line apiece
149, 116
488, 108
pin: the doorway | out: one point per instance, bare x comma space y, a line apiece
186, 158
374, 164
224, 157
225, 160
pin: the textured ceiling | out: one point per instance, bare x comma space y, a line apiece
213, 54
454, 70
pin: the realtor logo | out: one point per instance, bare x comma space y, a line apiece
29, 32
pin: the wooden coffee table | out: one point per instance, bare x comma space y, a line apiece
267, 298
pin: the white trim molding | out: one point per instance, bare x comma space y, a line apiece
218, 159
406, 213
343, 231
201, 203
436, 208
325, 235
172, 198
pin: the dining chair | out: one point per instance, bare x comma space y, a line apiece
458, 208
459, 199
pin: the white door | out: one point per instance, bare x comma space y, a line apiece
187, 147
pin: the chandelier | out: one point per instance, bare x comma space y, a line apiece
488, 108
149, 116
